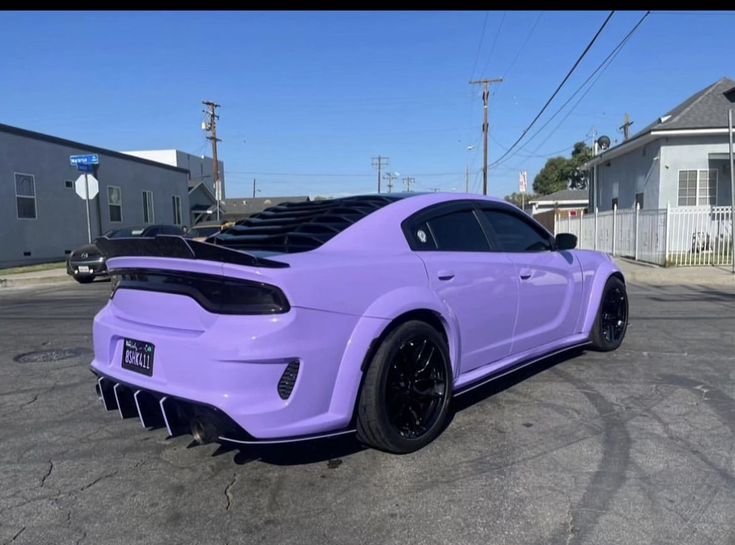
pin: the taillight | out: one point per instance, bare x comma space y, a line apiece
217, 294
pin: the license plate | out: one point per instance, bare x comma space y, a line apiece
138, 356
83, 268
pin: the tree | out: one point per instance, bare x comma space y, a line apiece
561, 173
579, 176
553, 177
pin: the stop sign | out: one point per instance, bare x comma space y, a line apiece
81, 187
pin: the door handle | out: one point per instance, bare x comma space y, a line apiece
526, 274
445, 275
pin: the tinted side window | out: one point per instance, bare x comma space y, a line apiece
458, 232
515, 235
423, 239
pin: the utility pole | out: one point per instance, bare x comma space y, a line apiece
407, 181
379, 162
467, 179
486, 83
253, 188
390, 176
211, 127
626, 127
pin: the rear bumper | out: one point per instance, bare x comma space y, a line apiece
158, 410
234, 364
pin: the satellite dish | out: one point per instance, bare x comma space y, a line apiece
603, 142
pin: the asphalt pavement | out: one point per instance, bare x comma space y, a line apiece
629, 447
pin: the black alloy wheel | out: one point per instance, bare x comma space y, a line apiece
404, 400
611, 323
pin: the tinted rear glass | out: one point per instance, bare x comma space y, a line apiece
299, 226
458, 232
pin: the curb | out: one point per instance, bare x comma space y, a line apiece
9, 282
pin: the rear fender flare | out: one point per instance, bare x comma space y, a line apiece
597, 284
376, 319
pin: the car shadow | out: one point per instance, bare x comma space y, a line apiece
464, 400
330, 450
333, 449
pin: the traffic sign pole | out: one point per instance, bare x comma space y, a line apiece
86, 201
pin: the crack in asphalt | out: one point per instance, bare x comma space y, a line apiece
17, 534
84, 536
571, 529
228, 494
48, 473
98, 479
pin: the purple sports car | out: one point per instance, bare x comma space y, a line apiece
361, 314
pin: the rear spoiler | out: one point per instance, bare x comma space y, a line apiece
176, 246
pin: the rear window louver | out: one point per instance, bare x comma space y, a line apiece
299, 227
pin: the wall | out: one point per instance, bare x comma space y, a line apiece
692, 152
201, 170
61, 223
635, 172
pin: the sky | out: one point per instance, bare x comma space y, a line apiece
309, 98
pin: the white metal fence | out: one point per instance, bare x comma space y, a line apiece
673, 236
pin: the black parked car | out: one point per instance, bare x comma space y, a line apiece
87, 262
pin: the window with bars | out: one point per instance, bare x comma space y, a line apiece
148, 216
25, 196
114, 203
698, 187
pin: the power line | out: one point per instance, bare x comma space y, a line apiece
523, 45
601, 67
479, 45
569, 73
330, 174
495, 42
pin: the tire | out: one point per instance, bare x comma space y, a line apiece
404, 400
84, 279
611, 321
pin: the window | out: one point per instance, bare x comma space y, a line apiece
176, 201
114, 203
458, 232
148, 216
68, 184
698, 187
513, 234
25, 196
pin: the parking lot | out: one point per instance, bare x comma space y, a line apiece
630, 447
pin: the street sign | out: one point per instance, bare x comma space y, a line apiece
91, 159
82, 167
81, 187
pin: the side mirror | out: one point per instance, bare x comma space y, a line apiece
566, 241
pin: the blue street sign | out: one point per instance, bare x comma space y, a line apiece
83, 167
92, 159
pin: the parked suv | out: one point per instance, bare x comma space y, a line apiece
87, 262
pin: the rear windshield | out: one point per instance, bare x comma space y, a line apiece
299, 226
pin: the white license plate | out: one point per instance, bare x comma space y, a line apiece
83, 268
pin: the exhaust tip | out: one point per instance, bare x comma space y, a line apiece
203, 431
